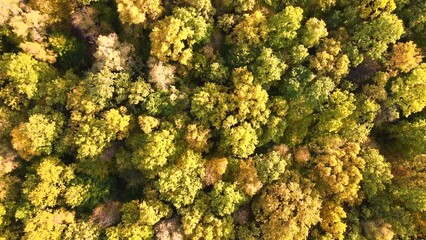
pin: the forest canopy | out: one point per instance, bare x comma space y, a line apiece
212, 119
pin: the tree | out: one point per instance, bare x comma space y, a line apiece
138, 219
21, 73
338, 167
226, 198
329, 61
299, 118
95, 92
173, 37
283, 27
313, 30
35, 137
377, 173
139, 91
197, 137
169, 229
372, 9
409, 92
252, 31
408, 137
155, 150
117, 121
214, 169
295, 82
199, 222
247, 177
249, 99
48, 224
268, 67
372, 38
210, 104
332, 215
247, 35
49, 182
209, 66
340, 106
161, 75
241, 140
111, 54
93, 135
54, 184
27, 27
55, 91
107, 214
272, 165
56, 10
180, 182
408, 188
287, 209
275, 126
139, 11
412, 12
404, 57
88, 22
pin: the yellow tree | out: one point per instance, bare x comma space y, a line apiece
287, 209
139, 11
404, 57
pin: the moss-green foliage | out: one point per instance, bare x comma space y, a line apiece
410, 91
212, 119
138, 219
180, 183
35, 137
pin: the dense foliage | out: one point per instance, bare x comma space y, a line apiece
212, 119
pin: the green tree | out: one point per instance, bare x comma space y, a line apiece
249, 99
409, 92
20, 78
409, 186
93, 135
48, 224
138, 219
35, 137
95, 92
377, 173
372, 9
407, 137
49, 182
268, 67
273, 164
155, 150
340, 106
252, 31
373, 37
180, 182
210, 104
173, 37
198, 222
247, 35
313, 30
226, 198
283, 27
241, 140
